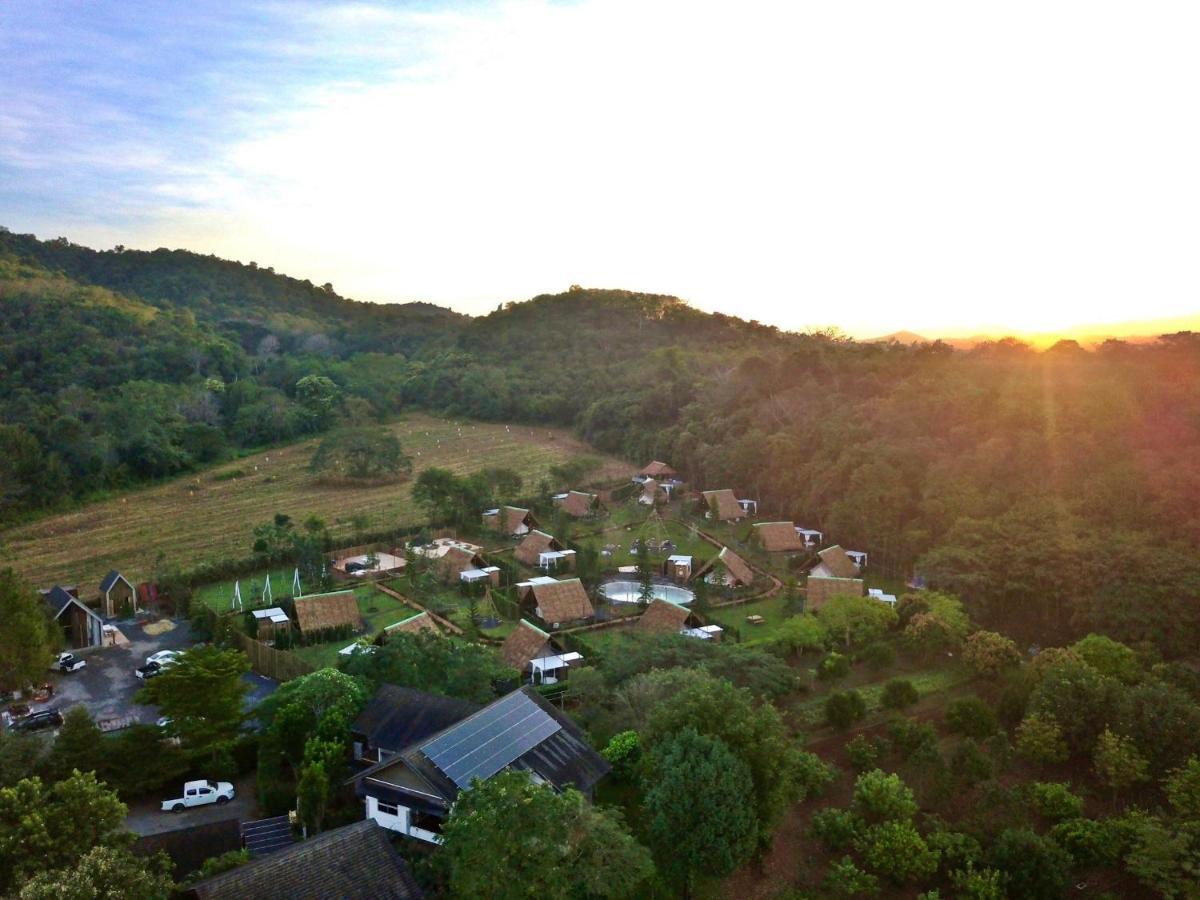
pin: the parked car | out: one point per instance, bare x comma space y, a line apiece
149, 670
69, 662
46, 718
198, 793
163, 657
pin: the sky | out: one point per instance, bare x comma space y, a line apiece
944, 167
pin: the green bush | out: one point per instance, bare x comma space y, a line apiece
897, 850
844, 708
865, 752
835, 828
909, 736
1036, 867
972, 717
898, 694
1090, 842
1055, 801
833, 667
969, 764
623, 753
880, 797
813, 774
845, 879
878, 656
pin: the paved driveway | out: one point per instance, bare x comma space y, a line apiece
106, 685
146, 816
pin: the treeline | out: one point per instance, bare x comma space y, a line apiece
1055, 491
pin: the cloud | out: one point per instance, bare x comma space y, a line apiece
875, 165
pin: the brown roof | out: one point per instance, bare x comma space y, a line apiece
524, 644
779, 537
456, 560
724, 504
414, 625
822, 590
327, 611
534, 543
837, 562
734, 564
664, 616
515, 517
577, 504
658, 469
562, 601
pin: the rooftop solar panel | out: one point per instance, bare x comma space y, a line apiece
493, 738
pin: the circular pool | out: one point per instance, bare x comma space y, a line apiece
631, 591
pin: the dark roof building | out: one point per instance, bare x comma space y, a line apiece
397, 717
189, 847
81, 625
357, 862
412, 792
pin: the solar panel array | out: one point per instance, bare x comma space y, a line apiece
493, 738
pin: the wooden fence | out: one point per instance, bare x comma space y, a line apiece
277, 664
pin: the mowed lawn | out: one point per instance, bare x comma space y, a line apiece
205, 518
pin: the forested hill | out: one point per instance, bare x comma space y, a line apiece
1055, 491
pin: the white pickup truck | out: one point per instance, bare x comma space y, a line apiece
198, 793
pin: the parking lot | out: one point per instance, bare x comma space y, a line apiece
106, 685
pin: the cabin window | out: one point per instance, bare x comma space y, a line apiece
388, 809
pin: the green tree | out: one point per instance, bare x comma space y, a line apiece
1182, 787
1163, 721
972, 717
988, 653
845, 879
28, 639
428, 662
694, 833
844, 708
1118, 763
317, 396
1040, 739
1034, 866
1080, 699
1109, 657
360, 454
20, 756
856, 620
105, 872
1055, 800
754, 733
897, 850
79, 745
800, 633
203, 694
623, 752
508, 838
899, 693
880, 797
273, 540
322, 705
49, 828
312, 795
1165, 857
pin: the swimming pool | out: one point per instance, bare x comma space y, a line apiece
630, 591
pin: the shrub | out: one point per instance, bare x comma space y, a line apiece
1089, 841
1040, 739
978, 884
880, 797
957, 849
897, 850
844, 708
898, 694
813, 775
835, 828
879, 656
908, 736
1055, 800
864, 752
1109, 657
969, 764
623, 753
1182, 787
972, 717
1035, 867
834, 666
845, 879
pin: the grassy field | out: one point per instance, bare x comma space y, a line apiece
771, 609
209, 516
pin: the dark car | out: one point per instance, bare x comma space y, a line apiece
47, 718
149, 670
